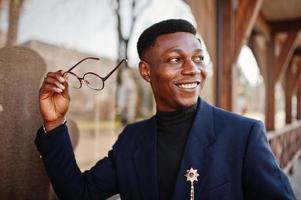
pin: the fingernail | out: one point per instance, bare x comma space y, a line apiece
61, 86
62, 79
59, 90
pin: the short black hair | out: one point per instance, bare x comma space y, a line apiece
149, 35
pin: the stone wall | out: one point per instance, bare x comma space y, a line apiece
21, 170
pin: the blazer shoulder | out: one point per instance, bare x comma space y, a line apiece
135, 127
231, 117
230, 122
132, 132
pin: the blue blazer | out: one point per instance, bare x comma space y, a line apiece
230, 152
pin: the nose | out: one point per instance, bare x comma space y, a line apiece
190, 68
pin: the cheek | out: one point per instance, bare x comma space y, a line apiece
164, 80
204, 73
162, 77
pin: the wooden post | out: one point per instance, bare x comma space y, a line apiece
286, 25
274, 74
233, 30
298, 103
297, 88
270, 86
288, 108
288, 91
225, 45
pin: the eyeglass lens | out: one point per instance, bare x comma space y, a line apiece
72, 80
91, 80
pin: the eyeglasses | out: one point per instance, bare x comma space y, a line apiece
92, 80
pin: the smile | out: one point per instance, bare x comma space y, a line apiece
188, 85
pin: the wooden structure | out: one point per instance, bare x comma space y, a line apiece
272, 29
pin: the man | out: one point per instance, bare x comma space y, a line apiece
188, 150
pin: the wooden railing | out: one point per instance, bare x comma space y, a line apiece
286, 144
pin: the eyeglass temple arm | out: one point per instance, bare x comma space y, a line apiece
107, 76
87, 58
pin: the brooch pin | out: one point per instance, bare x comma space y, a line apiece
192, 175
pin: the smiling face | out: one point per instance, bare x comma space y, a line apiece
174, 67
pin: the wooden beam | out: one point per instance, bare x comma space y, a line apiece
285, 54
286, 25
225, 38
253, 44
263, 26
297, 51
296, 79
245, 18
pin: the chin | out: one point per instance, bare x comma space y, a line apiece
187, 102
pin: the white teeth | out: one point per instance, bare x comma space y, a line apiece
188, 86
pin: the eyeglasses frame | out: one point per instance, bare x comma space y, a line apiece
82, 79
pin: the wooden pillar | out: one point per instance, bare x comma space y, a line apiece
270, 86
298, 103
225, 45
288, 108
288, 91
297, 88
276, 67
235, 21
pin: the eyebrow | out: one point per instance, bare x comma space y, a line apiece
198, 50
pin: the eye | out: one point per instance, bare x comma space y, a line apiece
174, 60
198, 59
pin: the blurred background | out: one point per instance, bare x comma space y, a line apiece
252, 54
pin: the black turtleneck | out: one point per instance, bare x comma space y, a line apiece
173, 129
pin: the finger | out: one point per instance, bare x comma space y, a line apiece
47, 87
54, 81
55, 86
51, 88
57, 75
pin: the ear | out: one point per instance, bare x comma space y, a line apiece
144, 70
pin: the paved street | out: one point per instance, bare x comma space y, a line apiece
296, 179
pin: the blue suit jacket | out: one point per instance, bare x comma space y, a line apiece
229, 151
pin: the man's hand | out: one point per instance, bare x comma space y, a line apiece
54, 99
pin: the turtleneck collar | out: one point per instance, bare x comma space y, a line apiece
176, 117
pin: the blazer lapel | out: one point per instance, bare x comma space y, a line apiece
145, 158
196, 153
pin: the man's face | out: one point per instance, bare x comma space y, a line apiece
175, 70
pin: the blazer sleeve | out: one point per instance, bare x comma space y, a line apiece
262, 177
68, 181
